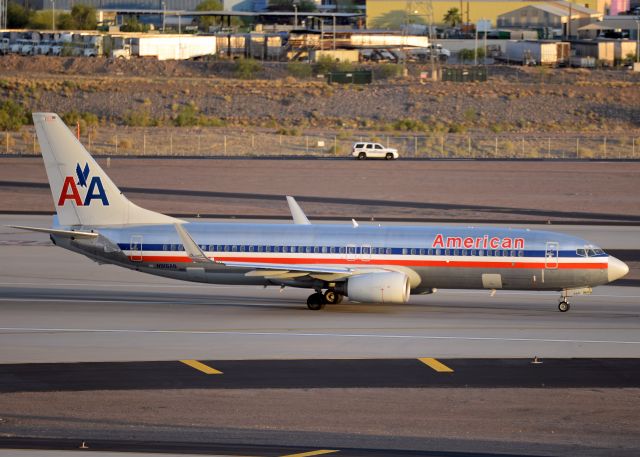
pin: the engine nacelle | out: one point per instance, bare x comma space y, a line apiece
391, 287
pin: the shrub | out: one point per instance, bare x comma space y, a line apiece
247, 68
456, 128
299, 69
288, 131
324, 65
388, 70
12, 116
187, 116
139, 118
409, 125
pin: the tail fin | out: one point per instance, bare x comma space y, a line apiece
82, 192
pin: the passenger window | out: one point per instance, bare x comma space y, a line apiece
379, 146
251, 248
405, 251
369, 146
520, 253
294, 249
438, 251
234, 248
481, 252
333, 249
430, 251
325, 249
446, 252
242, 248
414, 252
342, 250
389, 251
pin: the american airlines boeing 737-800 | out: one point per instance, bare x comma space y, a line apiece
366, 263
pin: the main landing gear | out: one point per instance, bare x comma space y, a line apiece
317, 301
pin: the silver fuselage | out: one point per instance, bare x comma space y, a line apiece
432, 257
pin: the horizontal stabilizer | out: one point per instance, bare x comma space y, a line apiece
62, 233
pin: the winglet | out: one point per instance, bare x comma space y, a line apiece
296, 212
193, 250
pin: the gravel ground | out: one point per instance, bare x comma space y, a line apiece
537, 421
514, 100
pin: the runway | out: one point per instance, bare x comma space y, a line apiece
91, 352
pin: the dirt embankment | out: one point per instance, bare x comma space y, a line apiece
150, 92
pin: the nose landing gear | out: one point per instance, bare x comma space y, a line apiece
564, 306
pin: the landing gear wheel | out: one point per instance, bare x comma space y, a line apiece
316, 302
362, 156
332, 297
563, 306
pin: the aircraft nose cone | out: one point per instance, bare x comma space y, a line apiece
617, 269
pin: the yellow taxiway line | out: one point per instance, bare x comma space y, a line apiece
201, 367
310, 453
436, 365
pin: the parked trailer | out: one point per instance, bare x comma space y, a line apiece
624, 49
602, 51
175, 47
531, 52
231, 44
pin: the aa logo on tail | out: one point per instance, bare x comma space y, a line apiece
94, 191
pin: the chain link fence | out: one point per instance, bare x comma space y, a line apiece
207, 143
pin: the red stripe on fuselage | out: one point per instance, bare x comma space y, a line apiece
397, 262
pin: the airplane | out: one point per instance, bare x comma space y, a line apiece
367, 264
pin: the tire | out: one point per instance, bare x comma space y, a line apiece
316, 302
332, 297
389, 156
563, 306
362, 156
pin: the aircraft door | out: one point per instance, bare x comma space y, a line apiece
135, 248
551, 255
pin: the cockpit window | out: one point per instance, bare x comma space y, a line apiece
581, 252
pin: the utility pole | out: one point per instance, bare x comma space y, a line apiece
638, 38
53, 14
3, 14
295, 14
164, 14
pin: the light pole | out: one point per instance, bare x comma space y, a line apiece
638, 39
295, 14
164, 13
53, 14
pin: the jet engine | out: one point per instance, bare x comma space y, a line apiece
391, 287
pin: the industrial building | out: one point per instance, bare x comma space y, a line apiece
562, 16
395, 13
